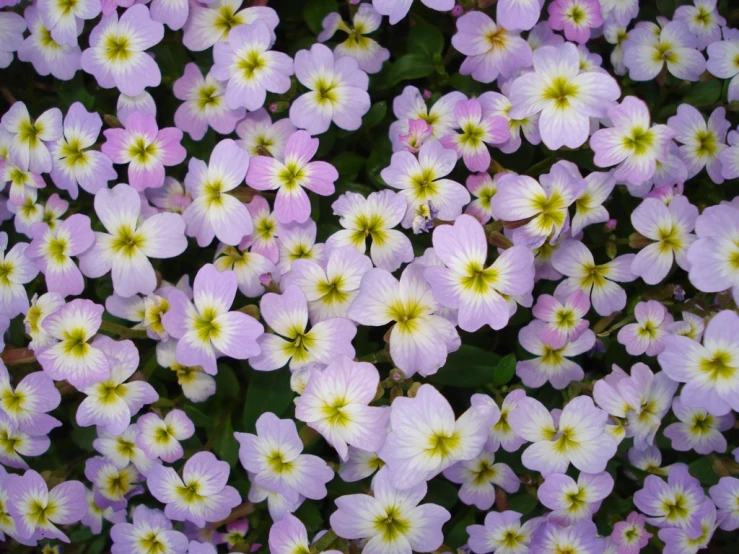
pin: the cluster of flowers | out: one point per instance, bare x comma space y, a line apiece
498, 241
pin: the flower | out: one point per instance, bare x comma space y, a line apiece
160, 438
248, 66
648, 333
125, 249
274, 458
697, 430
709, 370
703, 20
26, 404
263, 239
200, 495
75, 163
642, 398
204, 104
501, 434
207, 329
112, 402
572, 501
494, 103
126, 105
410, 105
288, 535
580, 538
671, 227
287, 316
566, 97
574, 260
259, 136
502, 533
63, 20
337, 91
37, 510
12, 27
563, 316
70, 356
369, 54
482, 187
214, 212
329, 289
336, 401
477, 131
47, 56
465, 283
576, 18
392, 519
248, 266
477, 477
725, 495
17, 443
631, 142
425, 439
17, 270
398, 10
52, 251
121, 449
373, 217
117, 54
492, 50
620, 11
298, 241
197, 386
41, 307
722, 56
150, 530
212, 23
543, 207
290, 175
29, 144
578, 438
713, 255
702, 142
552, 363
674, 503
648, 48
696, 536
145, 148
631, 535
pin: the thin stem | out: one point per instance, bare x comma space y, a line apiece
324, 542
111, 328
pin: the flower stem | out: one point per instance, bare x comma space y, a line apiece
324, 542
110, 328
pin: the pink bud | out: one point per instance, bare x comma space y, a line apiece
265, 279
457, 11
427, 94
273, 108
611, 224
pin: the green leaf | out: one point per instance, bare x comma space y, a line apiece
702, 469
426, 39
198, 418
269, 391
522, 503
466, 84
348, 164
310, 516
227, 383
442, 493
467, 367
375, 115
703, 94
410, 66
504, 370
225, 445
314, 12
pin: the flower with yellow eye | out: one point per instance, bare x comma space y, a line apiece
125, 249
